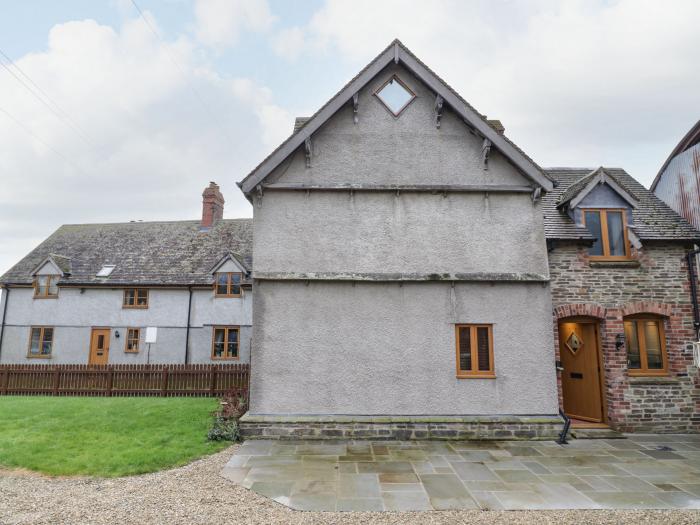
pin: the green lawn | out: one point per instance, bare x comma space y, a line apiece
115, 436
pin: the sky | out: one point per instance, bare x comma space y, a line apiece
113, 111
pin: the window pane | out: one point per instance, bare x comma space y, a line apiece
42, 285
222, 284
465, 349
633, 360
593, 225
652, 340
616, 233
129, 297
35, 340
236, 284
219, 337
48, 341
395, 96
142, 297
482, 345
53, 287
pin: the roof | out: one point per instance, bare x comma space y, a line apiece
579, 189
653, 219
688, 141
398, 53
176, 253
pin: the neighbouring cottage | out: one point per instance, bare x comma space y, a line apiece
88, 293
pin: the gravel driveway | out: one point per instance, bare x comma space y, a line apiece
196, 494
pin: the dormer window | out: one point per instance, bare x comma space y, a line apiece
228, 284
46, 286
609, 227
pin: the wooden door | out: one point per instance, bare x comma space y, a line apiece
580, 379
99, 346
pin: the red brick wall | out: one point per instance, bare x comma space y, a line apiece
659, 285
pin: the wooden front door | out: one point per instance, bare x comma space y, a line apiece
99, 346
580, 379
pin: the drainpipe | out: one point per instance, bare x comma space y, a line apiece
690, 258
187, 334
4, 315
565, 430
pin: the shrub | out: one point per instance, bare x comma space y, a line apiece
224, 429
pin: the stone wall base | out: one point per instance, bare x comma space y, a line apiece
401, 427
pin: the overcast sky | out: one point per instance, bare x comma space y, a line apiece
138, 115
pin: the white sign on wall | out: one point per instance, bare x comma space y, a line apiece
151, 334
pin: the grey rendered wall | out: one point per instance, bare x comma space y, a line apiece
385, 233
73, 314
373, 348
383, 149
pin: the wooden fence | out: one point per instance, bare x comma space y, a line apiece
125, 380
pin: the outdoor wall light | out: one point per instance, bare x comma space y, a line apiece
116, 334
619, 341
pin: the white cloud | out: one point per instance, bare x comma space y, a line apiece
160, 125
289, 42
575, 82
220, 22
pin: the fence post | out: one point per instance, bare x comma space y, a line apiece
56, 380
110, 380
5, 380
164, 385
213, 381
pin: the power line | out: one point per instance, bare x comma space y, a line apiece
59, 112
39, 139
177, 64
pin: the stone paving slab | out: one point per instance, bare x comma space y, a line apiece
639, 472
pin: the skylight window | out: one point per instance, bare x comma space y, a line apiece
106, 270
395, 95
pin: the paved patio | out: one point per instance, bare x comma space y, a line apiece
640, 472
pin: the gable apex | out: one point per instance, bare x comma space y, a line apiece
230, 259
575, 193
398, 53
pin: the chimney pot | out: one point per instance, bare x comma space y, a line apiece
212, 205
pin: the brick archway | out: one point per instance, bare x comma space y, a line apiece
647, 307
580, 309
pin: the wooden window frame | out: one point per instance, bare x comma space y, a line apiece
127, 339
605, 240
47, 295
136, 299
475, 373
386, 106
229, 284
41, 329
227, 330
644, 370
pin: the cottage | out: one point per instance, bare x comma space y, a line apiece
88, 293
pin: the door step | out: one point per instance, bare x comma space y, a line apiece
596, 433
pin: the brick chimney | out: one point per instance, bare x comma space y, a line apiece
212, 205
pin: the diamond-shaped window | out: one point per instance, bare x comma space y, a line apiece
574, 343
395, 95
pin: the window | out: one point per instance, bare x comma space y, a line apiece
46, 286
474, 350
40, 342
133, 335
135, 298
105, 271
228, 284
609, 227
646, 346
225, 342
395, 95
